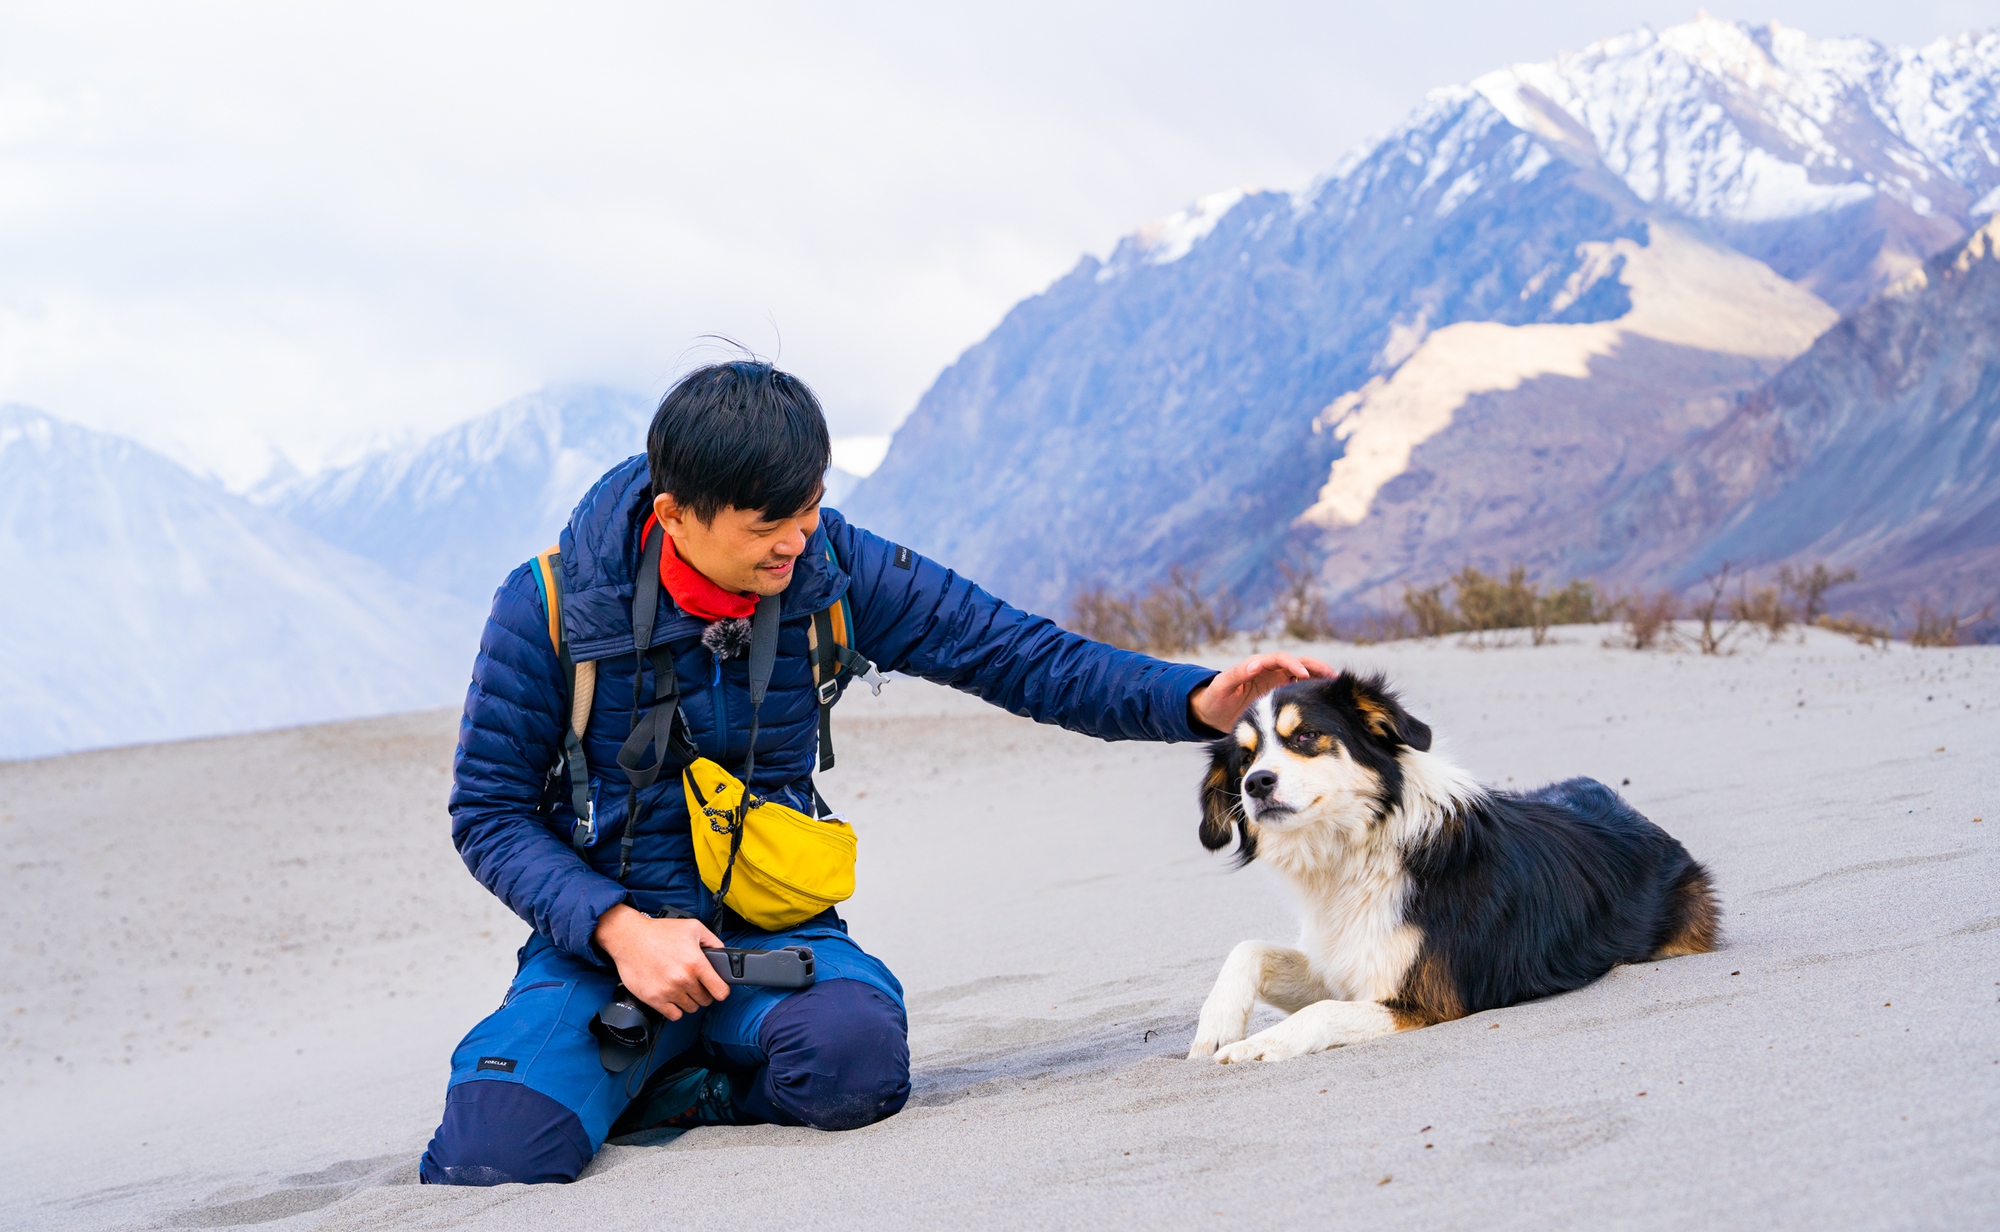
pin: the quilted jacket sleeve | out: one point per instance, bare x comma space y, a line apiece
914, 615
507, 742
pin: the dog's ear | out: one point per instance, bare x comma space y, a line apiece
1383, 714
1219, 799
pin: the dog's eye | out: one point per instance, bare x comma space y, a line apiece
1304, 735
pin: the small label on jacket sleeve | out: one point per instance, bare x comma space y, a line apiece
504, 1064
903, 557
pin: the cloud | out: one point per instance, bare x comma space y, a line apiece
232, 226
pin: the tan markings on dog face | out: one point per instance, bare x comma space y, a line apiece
1373, 713
1288, 721
1699, 928
1428, 996
1246, 735
1323, 746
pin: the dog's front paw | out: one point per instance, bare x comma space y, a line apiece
1217, 1028
1273, 1044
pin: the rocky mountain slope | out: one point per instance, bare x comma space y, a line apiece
1878, 448
144, 603
1461, 343
460, 510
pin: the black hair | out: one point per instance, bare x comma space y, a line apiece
741, 435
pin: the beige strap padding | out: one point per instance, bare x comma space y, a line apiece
586, 690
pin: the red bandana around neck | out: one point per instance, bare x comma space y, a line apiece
696, 595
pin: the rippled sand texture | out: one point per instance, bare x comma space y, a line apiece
234, 969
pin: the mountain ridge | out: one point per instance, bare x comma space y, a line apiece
1878, 448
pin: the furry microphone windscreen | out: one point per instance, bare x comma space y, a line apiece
728, 638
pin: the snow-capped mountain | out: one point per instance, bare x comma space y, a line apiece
459, 511
1878, 448
1461, 343
144, 603
1840, 163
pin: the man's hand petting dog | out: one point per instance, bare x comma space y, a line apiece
1219, 703
660, 961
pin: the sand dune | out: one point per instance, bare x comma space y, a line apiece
234, 969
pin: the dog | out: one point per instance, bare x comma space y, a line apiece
1425, 897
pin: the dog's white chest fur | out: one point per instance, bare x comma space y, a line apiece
1351, 926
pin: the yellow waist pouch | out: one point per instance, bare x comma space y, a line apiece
770, 864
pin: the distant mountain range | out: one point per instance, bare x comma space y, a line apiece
150, 604
1469, 341
460, 510
145, 603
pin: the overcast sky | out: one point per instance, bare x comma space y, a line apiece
231, 227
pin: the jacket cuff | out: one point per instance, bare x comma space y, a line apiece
1177, 686
572, 930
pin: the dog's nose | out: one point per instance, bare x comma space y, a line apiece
1261, 783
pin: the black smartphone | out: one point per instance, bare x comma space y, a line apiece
791, 967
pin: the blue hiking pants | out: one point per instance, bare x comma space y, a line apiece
529, 1099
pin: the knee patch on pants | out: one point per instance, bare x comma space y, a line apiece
839, 1058
496, 1132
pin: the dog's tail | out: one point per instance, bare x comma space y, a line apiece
1692, 921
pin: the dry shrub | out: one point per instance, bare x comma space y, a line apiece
1428, 611
1170, 617
1764, 607
1576, 604
1649, 619
1865, 632
1935, 628
1488, 605
1483, 604
1810, 587
1301, 610
1708, 609
1104, 617
1799, 596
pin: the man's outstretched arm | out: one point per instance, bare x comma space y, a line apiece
921, 618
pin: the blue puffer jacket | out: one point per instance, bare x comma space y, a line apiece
916, 617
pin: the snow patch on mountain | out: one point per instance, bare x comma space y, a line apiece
1166, 240
1683, 291
1173, 237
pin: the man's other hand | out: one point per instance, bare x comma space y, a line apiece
660, 961
1219, 703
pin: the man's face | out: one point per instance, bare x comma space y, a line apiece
741, 549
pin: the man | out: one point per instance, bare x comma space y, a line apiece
732, 478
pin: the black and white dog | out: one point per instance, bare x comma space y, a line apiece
1426, 897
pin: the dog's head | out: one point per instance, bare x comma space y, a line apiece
1319, 752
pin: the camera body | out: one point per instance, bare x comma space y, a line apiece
625, 1026
790, 967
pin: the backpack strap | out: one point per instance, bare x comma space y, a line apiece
657, 727
580, 690
830, 640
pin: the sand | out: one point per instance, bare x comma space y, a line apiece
234, 969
